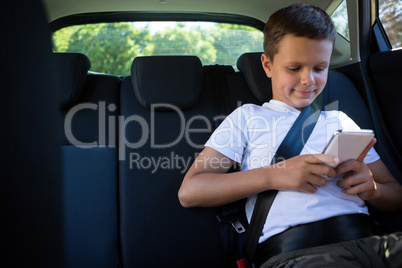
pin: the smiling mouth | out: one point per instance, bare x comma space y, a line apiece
305, 93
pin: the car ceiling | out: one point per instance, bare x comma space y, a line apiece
258, 9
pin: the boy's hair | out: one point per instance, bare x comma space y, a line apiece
299, 20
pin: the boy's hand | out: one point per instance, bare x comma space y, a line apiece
304, 172
358, 178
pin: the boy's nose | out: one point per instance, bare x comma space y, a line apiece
308, 79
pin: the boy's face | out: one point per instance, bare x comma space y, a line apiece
299, 70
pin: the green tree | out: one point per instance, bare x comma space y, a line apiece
111, 47
340, 19
232, 40
181, 41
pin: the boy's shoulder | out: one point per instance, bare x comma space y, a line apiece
247, 107
250, 109
250, 106
263, 107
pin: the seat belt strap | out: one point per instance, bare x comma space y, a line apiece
291, 146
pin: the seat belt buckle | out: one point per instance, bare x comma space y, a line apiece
243, 263
235, 222
238, 226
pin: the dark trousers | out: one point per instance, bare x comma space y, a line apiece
373, 251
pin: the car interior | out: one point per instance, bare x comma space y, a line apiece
92, 161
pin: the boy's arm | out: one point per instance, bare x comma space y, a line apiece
207, 182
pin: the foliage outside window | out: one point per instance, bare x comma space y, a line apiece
340, 18
390, 12
111, 47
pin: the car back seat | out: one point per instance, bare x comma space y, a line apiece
168, 108
90, 105
155, 230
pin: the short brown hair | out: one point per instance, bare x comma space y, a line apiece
300, 20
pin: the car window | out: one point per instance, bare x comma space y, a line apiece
340, 18
390, 13
111, 47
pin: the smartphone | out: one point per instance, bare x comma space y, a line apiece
347, 144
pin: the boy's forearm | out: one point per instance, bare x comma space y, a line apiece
387, 197
212, 189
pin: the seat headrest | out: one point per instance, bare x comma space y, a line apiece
72, 69
176, 80
260, 85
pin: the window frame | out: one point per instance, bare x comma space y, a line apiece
87, 18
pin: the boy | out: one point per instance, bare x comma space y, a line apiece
298, 42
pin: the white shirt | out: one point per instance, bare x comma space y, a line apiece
251, 135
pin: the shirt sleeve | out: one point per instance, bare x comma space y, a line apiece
230, 137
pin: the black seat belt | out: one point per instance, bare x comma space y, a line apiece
291, 146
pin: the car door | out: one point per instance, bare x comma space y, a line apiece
385, 69
382, 57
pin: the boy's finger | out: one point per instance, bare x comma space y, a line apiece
317, 180
323, 159
350, 180
369, 146
323, 170
309, 188
349, 166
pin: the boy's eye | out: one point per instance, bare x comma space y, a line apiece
317, 69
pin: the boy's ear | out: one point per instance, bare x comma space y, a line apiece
266, 64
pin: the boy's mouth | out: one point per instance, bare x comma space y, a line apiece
304, 93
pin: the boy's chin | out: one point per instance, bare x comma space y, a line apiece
300, 104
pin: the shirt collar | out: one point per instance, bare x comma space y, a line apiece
280, 106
